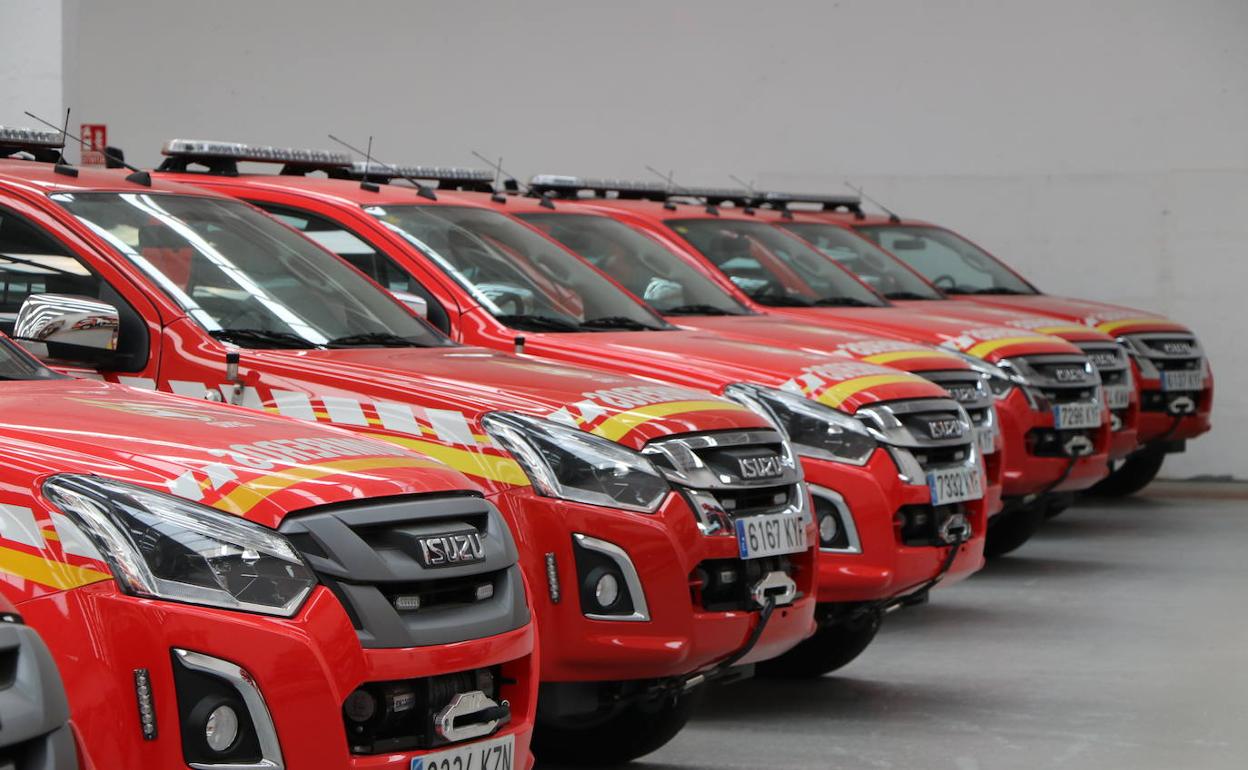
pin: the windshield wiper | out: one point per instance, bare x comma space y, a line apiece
366, 339
698, 310
262, 338
539, 323
989, 290
907, 295
617, 322
779, 300
843, 302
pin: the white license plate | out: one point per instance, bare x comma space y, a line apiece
496, 754
955, 485
1182, 379
987, 438
1086, 414
1117, 396
771, 534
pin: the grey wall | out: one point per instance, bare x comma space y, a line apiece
1100, 147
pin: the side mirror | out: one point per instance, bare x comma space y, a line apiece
62, 327
415, 303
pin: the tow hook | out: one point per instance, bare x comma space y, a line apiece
471, 715
775, 586
1077, 446
955, 529
1181, 405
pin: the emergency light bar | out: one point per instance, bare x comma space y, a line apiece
559, 186
43, 145
782, 200
446, 177
223, 157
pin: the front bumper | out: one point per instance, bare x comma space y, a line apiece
304, 667
665, 548
882, 567
1158, 422
1026, 472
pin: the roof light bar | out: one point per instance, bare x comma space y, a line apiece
782, 200
573, 186
444, 177
19, 138
261, 153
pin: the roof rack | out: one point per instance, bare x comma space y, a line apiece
445, 177
562, 186
43, 145
221, 158
782, 200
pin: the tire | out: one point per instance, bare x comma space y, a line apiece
632, 732
1057, 504
1008, 530
832, 647
1135, 473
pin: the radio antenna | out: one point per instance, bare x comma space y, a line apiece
749, 186
499, 173
63, 166
892, 217
672, 187
421, 190
137, 175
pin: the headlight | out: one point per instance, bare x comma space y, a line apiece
815, 430
571, 464
165, 547
1148, 370
1000, 381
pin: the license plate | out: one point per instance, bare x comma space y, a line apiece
494, 754
1117, 396
1077, 415
1182, 379
771, 534
955, 485
987, 438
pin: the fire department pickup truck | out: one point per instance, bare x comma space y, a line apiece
611, 484
223, 588
34, 713
1055, 427
489, 280
1175, 379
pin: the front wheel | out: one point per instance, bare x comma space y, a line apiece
833, 646
1008, 530
631, 732
1135, 473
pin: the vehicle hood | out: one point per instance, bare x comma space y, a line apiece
709, 360
239, 461
825, 340
1114, 320
1017, 318
992, 342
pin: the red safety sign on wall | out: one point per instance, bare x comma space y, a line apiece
95, 139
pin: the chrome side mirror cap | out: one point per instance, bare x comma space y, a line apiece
64, 327
415, 303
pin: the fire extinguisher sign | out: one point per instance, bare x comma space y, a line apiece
95, 139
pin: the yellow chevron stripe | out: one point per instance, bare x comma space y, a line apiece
1067, 329
839, 393
48, 572
903, 355
1109, 327
475, 464
984, 348
619, 425
251, 494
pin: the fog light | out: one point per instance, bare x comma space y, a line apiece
607, 590
827, 528
360, 706
407, 602
484, 591
221, 728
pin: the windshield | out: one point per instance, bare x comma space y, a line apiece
878, 269
16, 364
519, 277
642, 265
246, 278
774, 268
951, 262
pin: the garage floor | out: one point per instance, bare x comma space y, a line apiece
1117, 639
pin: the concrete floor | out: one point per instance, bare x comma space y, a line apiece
1118, 638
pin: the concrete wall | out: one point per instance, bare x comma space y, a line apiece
31, 63
1098, 146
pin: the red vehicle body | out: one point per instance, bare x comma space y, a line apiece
161, 546
610, 543
884, 562
1173, 376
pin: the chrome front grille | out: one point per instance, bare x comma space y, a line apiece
971, 392
923, 434
1167, 352
1114, 367
1060, 378
731, 474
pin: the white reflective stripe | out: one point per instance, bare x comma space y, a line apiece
345, 411
187, 486
73, 541
80, 375
146, 383
397, 417
18, 524
589, 410
564, 416
251, 397
451, 427
292, 404
188, 388
220, 474
812, 381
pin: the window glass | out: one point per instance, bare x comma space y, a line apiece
951, 262
31, 262
878, 269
